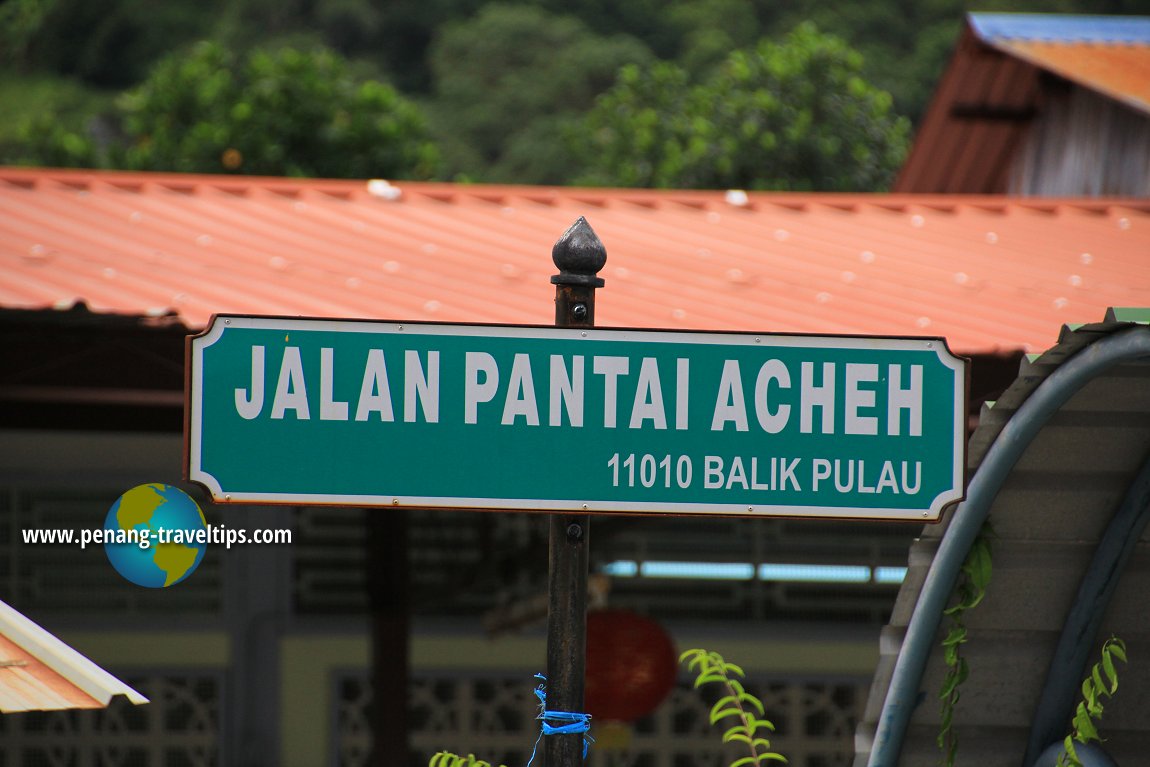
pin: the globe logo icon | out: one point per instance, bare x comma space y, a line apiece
155, 535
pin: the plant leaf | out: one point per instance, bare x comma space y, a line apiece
1068, 744
980, 566
695, 658
944, 726
729, 699
704, 678
755, 702
956, 636
717, 715
952, 680
738, 729
1111, 672
1087, 731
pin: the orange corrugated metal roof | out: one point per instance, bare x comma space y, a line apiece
987, 273
28, 684
1121, 72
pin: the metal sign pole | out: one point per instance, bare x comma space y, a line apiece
579, 255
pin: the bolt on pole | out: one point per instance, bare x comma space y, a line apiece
579, 255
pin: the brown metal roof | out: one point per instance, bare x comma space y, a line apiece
987, 273
992, 89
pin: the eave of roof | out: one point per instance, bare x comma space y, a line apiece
1107, 54
38, 672
987, 273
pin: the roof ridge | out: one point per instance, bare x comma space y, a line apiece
141, 182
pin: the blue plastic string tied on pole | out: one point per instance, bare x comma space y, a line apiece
558, 722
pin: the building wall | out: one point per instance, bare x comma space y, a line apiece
1083, 144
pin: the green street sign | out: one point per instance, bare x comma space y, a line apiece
311, 411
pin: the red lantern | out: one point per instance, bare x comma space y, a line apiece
631, 665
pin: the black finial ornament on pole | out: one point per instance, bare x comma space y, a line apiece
580, 255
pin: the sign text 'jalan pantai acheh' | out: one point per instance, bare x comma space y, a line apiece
306, 411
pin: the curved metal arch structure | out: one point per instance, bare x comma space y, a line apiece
1125, 345
1067, 666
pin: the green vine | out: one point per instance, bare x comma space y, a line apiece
448, 759
736, 703
1102, 682
973, 581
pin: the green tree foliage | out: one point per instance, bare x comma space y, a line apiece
20, 21
106, 43
502, 81
508, 80
270, 112
794, 115
64, 100
907, 42
407, 29
706, 31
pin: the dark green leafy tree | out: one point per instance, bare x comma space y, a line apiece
533, 61
646, 20
706, 31
642, 131
508, 80
269, 112
104, 43
794, 115
20, 20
